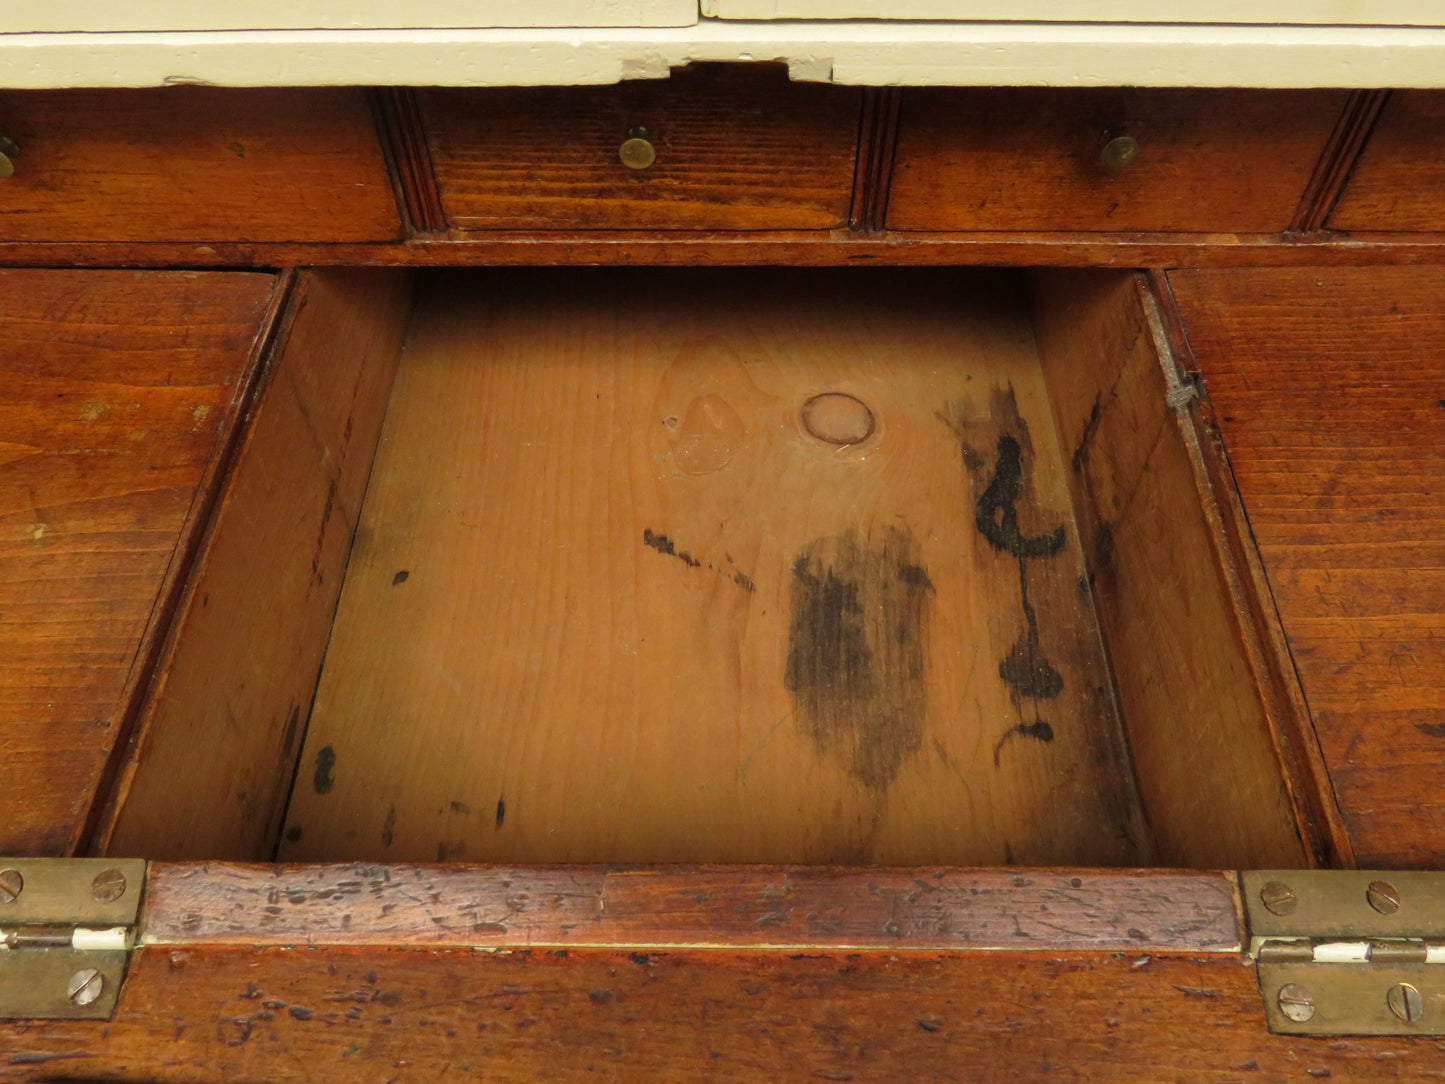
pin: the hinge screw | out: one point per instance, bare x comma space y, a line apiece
1405, 1002
1296, 1002
11, 885
84, 986
1383, 897
1278, 898
108, 886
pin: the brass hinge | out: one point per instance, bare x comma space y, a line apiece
1348, 952
67, 926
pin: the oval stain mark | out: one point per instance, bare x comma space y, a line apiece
836, 417
325, 761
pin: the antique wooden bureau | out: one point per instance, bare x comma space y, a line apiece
722, 578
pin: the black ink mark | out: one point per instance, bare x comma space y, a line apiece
857, 651
388, 827
1039, 729
461, 807
293, 834
1431, 730
325, 761
501, 812
400, 577
1091, 427
997, 513
1029, 674
662, 544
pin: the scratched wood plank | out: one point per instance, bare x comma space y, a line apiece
117, 389
791, 907
1329, 389
221, 728
375, 1013
612, 601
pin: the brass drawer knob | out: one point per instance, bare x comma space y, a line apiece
1119, 150
9, 150
637, 151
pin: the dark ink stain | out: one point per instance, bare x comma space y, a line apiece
662, 544
600, 997
1137, 935
997, 514
1431, 730
1039, 730
641, 959
388, 828
274, 1005
501, 812
325, 761
400, 577
288, 742
1104, 545
40, 1057
300, 1012
1086, 438
461, 807
253, 992
743, 580
242, 1025
928, 1024
857, 651
293, 834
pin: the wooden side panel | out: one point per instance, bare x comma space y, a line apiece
1207, 767
1029, 158
611, 600
116, 390
222, 729
1399, 181
1327, 386
371, 1013
738, 148
195, 164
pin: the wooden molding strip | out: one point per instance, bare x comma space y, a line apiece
877, 140
692, 907
408, 158
1338, 159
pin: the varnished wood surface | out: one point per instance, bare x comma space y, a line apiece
610, 601
195, 164
738, 148
222, 727
792, 907
1327, 387
1029, 158
279, 1014
1199, 732
118, 388
1399, 180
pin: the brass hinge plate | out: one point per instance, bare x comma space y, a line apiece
66, 927
1348, 952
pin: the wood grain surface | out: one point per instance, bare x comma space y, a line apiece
611, 601
116, 390
222, 726
789, 907
1029, 158
195, 164
738, 148
1399, 181
1199, 733
1328, 388
282, 1014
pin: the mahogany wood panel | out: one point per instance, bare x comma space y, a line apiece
611, 601
195, 164
1199, 733
1399, 181
118, 390
798, 907
738, 148
1029, 158
1329, 390
279, 1014
222, 726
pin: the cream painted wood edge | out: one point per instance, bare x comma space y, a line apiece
919, 54
1301, 12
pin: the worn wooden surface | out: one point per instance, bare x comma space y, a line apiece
280, 1014
118, 387
610, 601
1399, 180
195, 164
1328, 388
737, 148
792, 907
1029, 158
1198, 729
222, 727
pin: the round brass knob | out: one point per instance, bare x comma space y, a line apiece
1118, 151
8, 151
637, 151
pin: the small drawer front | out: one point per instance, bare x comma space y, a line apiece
1107, 159
194, 164
736, 148
1399, 181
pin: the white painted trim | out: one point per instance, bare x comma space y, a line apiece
868, 53
1298, 12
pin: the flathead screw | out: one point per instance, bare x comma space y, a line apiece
108, 886
1296, 1002
1278, 898
84, 986
1383, 897
11, 885
1405, 1002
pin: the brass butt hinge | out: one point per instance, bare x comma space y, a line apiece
67, 927
1348, 952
